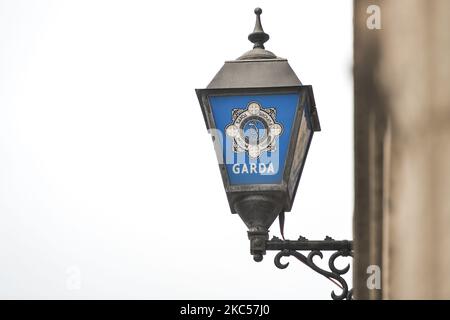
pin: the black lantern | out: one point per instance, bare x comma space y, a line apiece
262, 120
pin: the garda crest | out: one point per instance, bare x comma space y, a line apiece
254, 130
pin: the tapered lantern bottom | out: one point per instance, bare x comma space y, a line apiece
258, 213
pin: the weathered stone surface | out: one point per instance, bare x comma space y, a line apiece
402, 144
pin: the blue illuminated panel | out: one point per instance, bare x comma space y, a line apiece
256, 131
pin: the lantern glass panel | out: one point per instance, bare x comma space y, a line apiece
255, 135
302, 144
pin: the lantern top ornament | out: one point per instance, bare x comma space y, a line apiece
258, 37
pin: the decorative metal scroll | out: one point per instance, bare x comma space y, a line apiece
341, 248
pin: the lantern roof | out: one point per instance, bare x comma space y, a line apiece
256, 68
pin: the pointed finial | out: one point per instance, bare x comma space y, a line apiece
258, 36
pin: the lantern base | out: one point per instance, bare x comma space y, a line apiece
258, 211
258, 238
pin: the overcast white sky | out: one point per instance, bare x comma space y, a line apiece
109, 186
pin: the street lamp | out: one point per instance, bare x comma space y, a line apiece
262, 120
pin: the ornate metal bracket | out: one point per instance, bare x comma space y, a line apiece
342, 248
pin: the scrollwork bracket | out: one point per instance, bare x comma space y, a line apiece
342, 248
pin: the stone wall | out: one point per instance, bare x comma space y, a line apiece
402, 149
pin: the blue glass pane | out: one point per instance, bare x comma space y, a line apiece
255, 131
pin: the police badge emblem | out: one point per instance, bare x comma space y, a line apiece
254, 130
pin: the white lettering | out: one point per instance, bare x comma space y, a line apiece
373, 22
262, 168
374, 279
194, 310
253, 168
